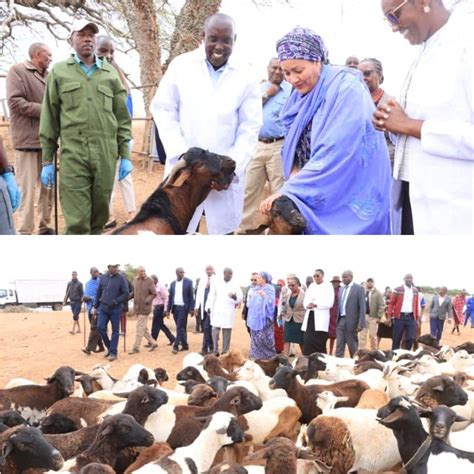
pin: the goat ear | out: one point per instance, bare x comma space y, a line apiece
394, 416
6, 449
122, 395
50, 380
181, 179
460, 418
438, 388
76, 372
107, 430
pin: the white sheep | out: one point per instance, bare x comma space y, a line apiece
222, 430
252, 372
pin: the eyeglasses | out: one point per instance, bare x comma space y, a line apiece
368, 73
392, 16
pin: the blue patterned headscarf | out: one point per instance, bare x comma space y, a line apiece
302, 43
266, 276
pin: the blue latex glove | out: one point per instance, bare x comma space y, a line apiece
13, 190
125, 168
47, 175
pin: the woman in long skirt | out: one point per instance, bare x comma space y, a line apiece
261, 309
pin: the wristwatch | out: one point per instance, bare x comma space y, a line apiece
8, 169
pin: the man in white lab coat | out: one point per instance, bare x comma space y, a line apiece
203, 289
207, 100
223, 299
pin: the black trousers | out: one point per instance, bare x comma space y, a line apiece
407, 216
314, 341
158, 324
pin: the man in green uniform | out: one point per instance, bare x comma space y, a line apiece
85, 107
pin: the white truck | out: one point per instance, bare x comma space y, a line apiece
33, 293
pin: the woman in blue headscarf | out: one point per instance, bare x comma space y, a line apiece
336, 165
261, 310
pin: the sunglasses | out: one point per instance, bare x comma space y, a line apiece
392, 16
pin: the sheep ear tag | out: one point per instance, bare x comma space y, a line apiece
394, 416
7, 448
145, 400
181, 179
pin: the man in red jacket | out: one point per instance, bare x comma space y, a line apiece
403, 308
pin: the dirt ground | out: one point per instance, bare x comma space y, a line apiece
34, 344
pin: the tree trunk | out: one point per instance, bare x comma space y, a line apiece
143, 25
187, 34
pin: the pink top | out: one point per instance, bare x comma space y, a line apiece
161, 297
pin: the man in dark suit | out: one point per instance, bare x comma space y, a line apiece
351, 316
180, 304
440, 309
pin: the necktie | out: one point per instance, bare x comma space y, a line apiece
343, 301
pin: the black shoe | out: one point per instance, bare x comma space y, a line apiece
47, 231
106, 354
147, 345
86, 351
100, 349
185, 348
153, 347
174, 350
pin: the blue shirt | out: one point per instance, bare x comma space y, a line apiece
89, 70
272, 126
91, 291
215, 73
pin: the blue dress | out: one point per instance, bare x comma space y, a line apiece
260, 321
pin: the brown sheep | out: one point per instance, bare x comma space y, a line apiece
281, 456
270, 366
330, 441
305, 396
202, 395
149, 454
441, 390
373, 399
213, 366
97, 468
233, 359
82, 411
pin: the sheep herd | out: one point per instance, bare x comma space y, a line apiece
382, 411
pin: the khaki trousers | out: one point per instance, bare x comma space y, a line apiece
28, 172
371, 331
266, 165
126, 190
142, 331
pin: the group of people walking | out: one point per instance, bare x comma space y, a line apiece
339, 316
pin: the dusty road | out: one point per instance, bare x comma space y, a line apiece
34, 344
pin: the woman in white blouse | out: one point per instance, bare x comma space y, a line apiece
318, 299
434, 118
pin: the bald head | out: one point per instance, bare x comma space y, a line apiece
105, 47
219, 38
219, 19
40, 56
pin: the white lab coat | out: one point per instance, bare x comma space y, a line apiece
222, 307
322, 296
189, 110
200, 292
440, 166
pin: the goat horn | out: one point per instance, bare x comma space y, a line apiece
179, 166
